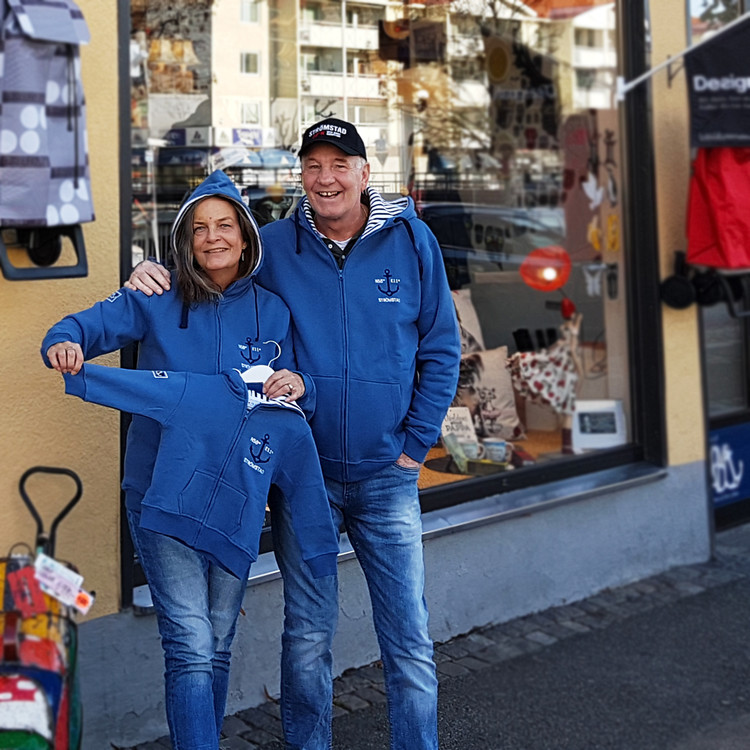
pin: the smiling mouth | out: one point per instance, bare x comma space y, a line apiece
329, 193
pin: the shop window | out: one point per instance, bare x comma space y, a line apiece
512, 157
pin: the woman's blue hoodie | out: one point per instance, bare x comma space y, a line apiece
247, 325
378, 335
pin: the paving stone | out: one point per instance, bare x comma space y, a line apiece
472, 663
272, 708
542, 638
233, 726
453, 649
372, 672
477, 641
236, 743
439, 657
496, 654
371, 696
350, 702
575, 626
256, 718
259, 737
339, 711
451, 669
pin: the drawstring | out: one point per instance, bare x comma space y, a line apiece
184, 315
297, 229
410, 232
257, 314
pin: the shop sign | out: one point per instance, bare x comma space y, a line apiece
247, 136
195, 137
730, 463
718, 76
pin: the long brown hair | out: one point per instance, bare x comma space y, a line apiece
193, 282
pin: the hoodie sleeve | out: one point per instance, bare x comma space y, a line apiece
301, 480
109, 325
155, 394
439, 351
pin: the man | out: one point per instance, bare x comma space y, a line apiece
375, 327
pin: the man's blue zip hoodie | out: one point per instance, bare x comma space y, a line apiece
247, 325
218, 456
378, 335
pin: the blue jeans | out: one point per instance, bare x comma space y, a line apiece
382, 518
197, 603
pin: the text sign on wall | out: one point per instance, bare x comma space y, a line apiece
730, 464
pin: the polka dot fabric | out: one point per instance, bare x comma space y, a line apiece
44, 171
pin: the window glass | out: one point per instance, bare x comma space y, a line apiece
498, 119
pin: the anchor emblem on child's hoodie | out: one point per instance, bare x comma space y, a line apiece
262, 448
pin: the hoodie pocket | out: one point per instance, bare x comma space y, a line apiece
193, 499
375, 419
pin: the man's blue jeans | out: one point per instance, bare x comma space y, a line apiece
382, 518
197, 603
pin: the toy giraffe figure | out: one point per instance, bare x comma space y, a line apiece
552, 376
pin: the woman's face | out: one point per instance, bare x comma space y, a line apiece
217, 240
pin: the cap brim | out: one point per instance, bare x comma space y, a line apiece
334, 142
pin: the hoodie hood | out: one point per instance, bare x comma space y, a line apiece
218, 185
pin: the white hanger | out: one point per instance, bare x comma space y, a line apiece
256, 374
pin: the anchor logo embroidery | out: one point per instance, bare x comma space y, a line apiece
250, 352
259, 450
389, 285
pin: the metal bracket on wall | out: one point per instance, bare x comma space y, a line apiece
44, 246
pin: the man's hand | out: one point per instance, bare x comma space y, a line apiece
408, 463
149, 277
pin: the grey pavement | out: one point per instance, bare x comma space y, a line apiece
660, 664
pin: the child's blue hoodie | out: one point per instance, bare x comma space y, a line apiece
247, 325
220, 451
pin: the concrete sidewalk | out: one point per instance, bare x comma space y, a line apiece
661, 664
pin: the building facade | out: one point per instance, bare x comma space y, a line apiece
558, 209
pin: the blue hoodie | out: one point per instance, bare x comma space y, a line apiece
247, 325
221, 449
379, 335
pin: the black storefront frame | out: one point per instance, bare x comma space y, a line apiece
642, 289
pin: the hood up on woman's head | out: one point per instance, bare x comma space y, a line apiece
219, 185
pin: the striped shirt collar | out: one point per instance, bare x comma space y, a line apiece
380, 211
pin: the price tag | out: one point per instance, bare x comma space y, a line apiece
57, 579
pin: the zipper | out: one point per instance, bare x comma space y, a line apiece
345, 388
219, 334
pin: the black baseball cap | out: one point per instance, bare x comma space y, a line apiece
339, 133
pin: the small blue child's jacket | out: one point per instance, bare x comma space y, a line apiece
218, 455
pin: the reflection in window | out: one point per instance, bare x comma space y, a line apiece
498, 121
249, 62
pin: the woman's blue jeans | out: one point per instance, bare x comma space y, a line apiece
382, 518
197, 603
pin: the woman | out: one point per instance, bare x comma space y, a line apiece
214, 319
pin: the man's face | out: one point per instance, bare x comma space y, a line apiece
333, 181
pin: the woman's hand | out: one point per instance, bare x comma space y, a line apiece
284, 383
149, 277
65, 357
